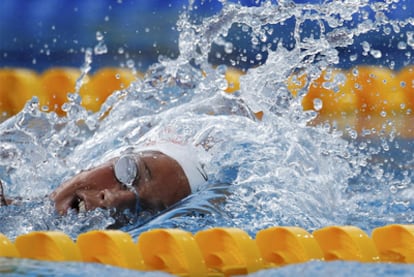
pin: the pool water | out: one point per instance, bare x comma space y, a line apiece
277, 170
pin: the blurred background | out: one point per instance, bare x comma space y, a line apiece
39, 34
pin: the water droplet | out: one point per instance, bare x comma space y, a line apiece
228, 47
402, 45
410, 39
353, 58
393, 189
254, 40
387, 30
317, 104
221, 84
130, 63
263, 37
366, 47
353, 134
355, 72
376, 53
99, 36
100, 48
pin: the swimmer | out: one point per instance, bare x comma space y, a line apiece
150, 179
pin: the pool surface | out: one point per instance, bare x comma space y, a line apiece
301, 112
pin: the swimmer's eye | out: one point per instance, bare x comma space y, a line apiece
128, 187
126, 171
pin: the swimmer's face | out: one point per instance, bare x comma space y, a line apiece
161, 183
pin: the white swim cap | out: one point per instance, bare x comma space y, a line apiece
186, 156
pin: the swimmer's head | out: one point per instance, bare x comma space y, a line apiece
166, 173
187, 158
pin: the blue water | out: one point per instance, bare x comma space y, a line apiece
276, 171
22, 267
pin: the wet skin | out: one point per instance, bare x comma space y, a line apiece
161, 182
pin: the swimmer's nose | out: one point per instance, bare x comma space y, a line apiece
116, 199
106, 197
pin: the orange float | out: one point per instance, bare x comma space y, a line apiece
287, 245
56, 83
17, 86
395, 243
406, 81
332, 90
172, 250
230, 251
233, 79
378, 90
103, 83
330, 95
111, 247
7, 248
381, 101
47, 246
347, 243
369, 99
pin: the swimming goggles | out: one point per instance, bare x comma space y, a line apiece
126, 171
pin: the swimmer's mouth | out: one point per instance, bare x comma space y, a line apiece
78, 204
